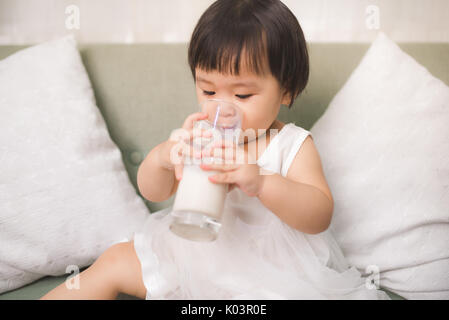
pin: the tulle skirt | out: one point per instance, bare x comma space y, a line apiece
246, 261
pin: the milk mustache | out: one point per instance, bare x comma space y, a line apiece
199, 203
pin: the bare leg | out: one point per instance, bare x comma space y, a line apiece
116, 270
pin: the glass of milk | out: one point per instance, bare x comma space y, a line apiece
199, 203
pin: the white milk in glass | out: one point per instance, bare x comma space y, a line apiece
210, 199
199, 203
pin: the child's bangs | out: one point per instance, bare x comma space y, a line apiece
229, 52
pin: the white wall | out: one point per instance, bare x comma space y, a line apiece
128, 21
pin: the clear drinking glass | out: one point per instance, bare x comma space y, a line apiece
199, 203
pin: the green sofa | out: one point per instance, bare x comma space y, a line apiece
144, 91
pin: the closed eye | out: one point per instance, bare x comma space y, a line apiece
240, 96
243, 96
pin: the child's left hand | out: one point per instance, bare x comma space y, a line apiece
244, 175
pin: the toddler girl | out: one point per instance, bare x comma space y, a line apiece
274, 242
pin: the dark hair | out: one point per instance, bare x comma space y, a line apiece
266, 29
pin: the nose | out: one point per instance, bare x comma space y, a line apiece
225, 112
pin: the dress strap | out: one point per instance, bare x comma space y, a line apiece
282, 149
291, 142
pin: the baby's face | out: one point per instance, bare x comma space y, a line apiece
259, 97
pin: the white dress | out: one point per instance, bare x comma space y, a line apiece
256, 255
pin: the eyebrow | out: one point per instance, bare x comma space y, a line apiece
235, 84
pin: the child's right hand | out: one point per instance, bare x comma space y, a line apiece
186, 134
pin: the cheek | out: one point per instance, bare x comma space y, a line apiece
257, 116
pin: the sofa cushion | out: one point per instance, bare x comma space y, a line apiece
65, 196
385, 151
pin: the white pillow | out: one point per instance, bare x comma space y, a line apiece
384, 143
65, 196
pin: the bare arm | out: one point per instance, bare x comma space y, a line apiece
156, 182
302, 206
302, 199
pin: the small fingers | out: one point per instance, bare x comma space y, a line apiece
231, 153
191, 119
225, 177
224, 143
178, 171
186, 136
201, 137
221, 167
